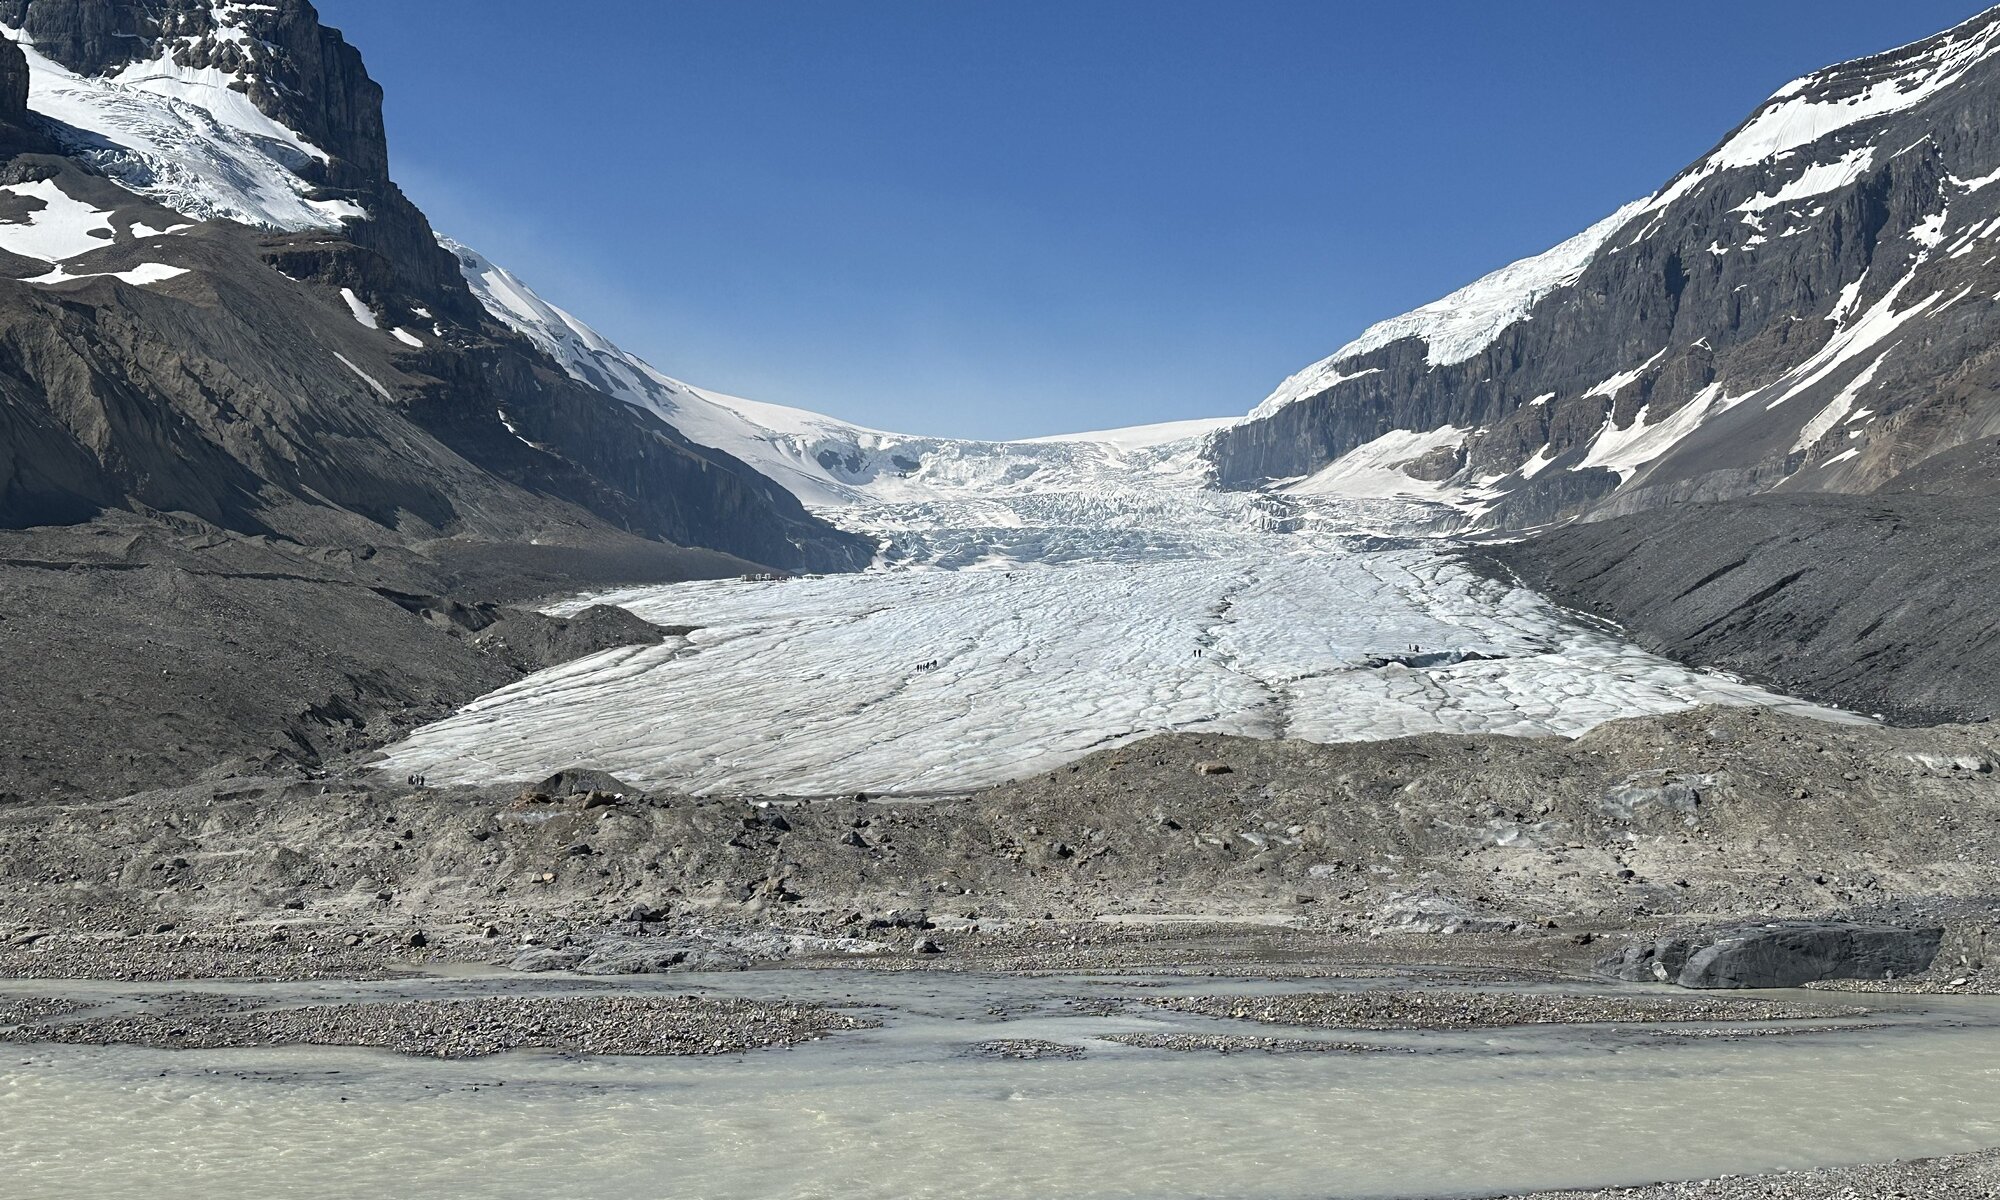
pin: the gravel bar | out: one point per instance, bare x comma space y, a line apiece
1958, 1177
650, 1025
1226, 1044
1452, 1009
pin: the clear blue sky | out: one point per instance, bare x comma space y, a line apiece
1002, 218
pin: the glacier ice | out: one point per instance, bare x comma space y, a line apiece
1032, 601
1104, 596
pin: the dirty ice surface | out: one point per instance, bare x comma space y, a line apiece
1036, 601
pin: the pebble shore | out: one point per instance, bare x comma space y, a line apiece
640, 1025
1229, 1044
1959, 1177
1457, 1009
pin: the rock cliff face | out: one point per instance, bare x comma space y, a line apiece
313, 367
13, 85
1813, 306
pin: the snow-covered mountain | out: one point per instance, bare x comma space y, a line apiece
1807, 306
218, 303
1812, 306
201, 107
941, 501
826, 462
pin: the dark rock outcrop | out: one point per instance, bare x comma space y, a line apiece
256, 403
1879, 604
13, 84
1782, 954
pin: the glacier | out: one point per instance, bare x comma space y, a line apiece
822, 686
1030, 600
1033, 601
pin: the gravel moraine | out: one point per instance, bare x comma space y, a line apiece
165, 959
1026, 1048
1943, 981
36, 1008
1226, 1044
650, 1025
1451, 1009
1744, 1035
1959, 1177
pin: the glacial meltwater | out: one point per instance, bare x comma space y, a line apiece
915, 1109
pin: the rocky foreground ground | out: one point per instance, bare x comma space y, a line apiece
1959, 1177
1556, 851
456, 1028
1445, 862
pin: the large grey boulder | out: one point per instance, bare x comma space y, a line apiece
579, 781
1780, 954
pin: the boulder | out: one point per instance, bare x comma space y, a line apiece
581, 781
1780, 954
625, 956
536, 959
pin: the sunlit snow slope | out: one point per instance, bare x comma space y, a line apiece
180, 136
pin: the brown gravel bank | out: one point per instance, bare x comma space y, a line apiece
1458, 1009
1959, 1177
472, 1028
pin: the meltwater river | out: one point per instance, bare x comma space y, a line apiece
910, 1110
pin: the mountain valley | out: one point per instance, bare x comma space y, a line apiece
383, 645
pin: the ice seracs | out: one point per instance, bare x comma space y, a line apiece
829, 464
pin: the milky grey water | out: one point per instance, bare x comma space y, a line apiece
906, 1112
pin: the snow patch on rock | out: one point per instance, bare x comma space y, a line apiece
61, 227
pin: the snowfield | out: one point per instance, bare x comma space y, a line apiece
1072, 595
